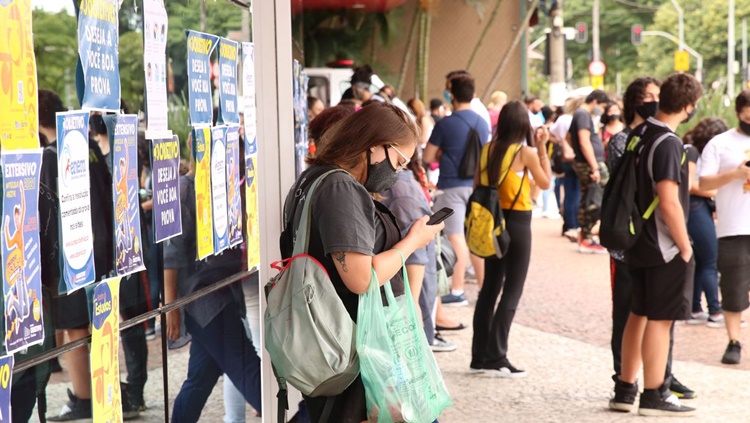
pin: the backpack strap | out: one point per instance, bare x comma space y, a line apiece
655, 202
303, 230
484, 176
518, 194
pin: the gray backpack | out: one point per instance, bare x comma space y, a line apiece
309, 334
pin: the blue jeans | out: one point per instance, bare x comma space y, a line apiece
706, 249
222, 347
572, 198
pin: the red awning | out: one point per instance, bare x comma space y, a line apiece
361, 5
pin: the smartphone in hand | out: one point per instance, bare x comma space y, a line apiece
440, 216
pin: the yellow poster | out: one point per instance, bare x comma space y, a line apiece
18, 86
204, 230
251, 211
106, 400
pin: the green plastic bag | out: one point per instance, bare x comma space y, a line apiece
402, 380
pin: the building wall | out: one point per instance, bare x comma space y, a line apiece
456, 28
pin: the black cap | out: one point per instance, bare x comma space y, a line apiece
435, 103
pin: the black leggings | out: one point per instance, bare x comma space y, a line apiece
492, 326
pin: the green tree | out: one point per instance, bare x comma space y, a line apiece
132, 78
56, 50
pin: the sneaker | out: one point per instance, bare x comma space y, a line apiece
475, 370
505, 371
552, 215
451, 300
624, 397
441, 345
572, 234
698, 318
75, 409
717, 321
733, 353
591, 247
681, 391
660, 402
130, 410
150, 334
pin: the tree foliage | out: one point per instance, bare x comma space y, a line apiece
55, 47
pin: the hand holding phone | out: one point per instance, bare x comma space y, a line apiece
440, 216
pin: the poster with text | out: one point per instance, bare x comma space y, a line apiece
155, 25
18, 87
165, 165
106, 399
252, 243
22, 277
6, 372
74, 193
248, 96
97, 50
199, 48
219, 187
228, 56
204, 230
125, 187
234, 199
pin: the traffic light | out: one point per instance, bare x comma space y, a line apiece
582, 33
636, 34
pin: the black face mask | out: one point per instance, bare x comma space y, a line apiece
745, 127
647, 110
690, 115
380, 176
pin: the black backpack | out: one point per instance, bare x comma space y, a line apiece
469, 161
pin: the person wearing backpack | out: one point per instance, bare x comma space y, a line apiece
508, 165
661, 264
456, 139
350, 233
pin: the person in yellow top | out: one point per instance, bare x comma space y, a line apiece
124, 232
17, 301
511, 160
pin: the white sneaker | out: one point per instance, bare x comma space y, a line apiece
552, 215
439, 345
718, 322
699, 318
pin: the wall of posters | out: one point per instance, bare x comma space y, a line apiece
219, 188
199, 48
73, 187
165, 171
22, 278
125, 186
252, 242
97, 49
248, 96
18, 90
234, 197
6, 372
299, 87
251, 211
155, 24
106, 400
228, 57
204, 231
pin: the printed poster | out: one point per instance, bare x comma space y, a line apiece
165, 165
73, 185
228, 56
22, 277
251, 204
125, 187
248, 96
97, 50
219, 188
18, 84
6, 372
155, 25
234, 199
199, 48
204, 231
106, 402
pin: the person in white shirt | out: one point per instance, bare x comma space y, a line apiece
725, 166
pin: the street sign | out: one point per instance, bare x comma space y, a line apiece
636, 34
597, 82
597, 68
681, 61
582, 33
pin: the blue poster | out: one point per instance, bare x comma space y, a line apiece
74, 193
165, 171
125, 187
199, 48
22, 277
97, 50
219, 188
234, 187
228, 56
6, 372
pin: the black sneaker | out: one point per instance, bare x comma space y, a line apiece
505, 370
681, 391
625, 394
661, 402
733, 353
130, 409
75, 409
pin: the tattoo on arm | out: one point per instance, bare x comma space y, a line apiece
341, 258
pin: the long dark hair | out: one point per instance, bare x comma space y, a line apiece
513, 126
634, 96
704, 131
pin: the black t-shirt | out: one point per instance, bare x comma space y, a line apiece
661, 159
582, 120
693, 155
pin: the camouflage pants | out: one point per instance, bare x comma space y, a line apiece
589, 209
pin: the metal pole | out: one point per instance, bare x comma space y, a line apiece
744, 54
681, 23
730, 51
203, 15
557, 86
595, 30
524, 53
675, 40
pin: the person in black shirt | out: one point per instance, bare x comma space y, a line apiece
661, 261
